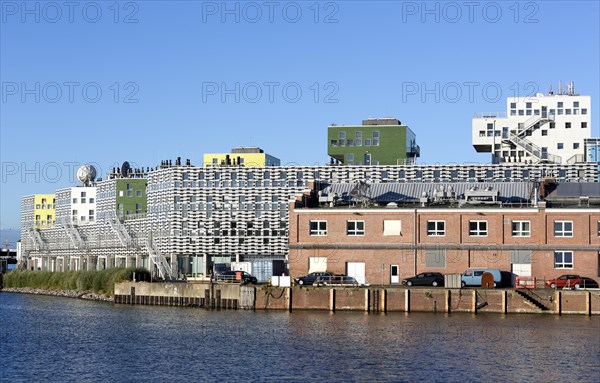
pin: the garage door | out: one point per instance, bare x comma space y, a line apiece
317, 264
356, 270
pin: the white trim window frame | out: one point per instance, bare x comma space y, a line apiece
521, 228
563, 228
436, 228
478, 229
563, 259
355, 228
318, 228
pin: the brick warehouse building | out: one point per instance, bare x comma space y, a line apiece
383, 245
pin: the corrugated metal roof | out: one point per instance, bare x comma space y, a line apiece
411, 192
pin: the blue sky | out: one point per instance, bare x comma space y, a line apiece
151, 80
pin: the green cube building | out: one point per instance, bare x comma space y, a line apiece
378, 141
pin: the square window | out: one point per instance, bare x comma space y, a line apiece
318, 228
354, 228
575, 104
375, 134
342, 135
342, 142
478, 228
367, 142
358, 135
583, 111
560, 104
583, 124
528, 105
358, 142
544, 132
521, 229
436, 228
349, 142
513, 105
563, 259
521, 112
350, 157
375, 142
334, 143
560, 145
563, 228
567, 125
576, 145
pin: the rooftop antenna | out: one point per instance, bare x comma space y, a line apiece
560, 90
550, 92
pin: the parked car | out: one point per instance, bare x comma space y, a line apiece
236, 276
472, 277
336, 280
565, 280
425, 279
312, 277
588, 283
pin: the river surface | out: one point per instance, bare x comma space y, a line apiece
53, 339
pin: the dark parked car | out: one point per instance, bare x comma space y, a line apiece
566, 280
312, 277
588, 283
234, 276
425, 279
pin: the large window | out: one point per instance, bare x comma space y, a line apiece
521, 229
436, 228
478, 228
563, 228
392, 227
355, 227
318, 228
563, 259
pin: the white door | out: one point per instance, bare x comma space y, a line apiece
394, 277
356, 270
317, 264
522, 269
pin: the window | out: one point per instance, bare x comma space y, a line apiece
521, 229
342, 142
576, 145
74, 200
560, 145
528, 105
583, 124
435, 258
478, 228
575, 104
138, 193
563, 259
318, 228
567, 125
375, 134
544, 132
436, 228
563, 228
598, 228
350, 157
393, 227
367, 142
350, 142
560, 105
583, 111
375, 142
358, 142
358, 135
513, 105
342, 135
355, 228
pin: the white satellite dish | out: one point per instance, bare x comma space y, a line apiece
86, 174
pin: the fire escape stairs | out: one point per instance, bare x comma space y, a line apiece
121, 230
164, 269
37, 238
74, 236
517, 138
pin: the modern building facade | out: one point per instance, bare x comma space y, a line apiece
545, 128
250, 156
383, 141
38, 211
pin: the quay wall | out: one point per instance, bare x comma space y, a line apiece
367, 299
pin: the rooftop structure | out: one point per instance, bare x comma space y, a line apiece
545, 128
241, 156
383, 141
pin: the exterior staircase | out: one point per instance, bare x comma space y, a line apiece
74, 236
164, 269
121, 230
517, 138
532, 298
37, 238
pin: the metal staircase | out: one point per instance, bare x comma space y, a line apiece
517, 138
164, 269
121, 230
74, 236
37, 238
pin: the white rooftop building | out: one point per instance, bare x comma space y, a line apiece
545, 128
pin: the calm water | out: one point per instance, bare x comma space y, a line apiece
50, 339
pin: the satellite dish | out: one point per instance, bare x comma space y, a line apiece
86, 174
125, 169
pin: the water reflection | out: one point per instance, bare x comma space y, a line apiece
57, 339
